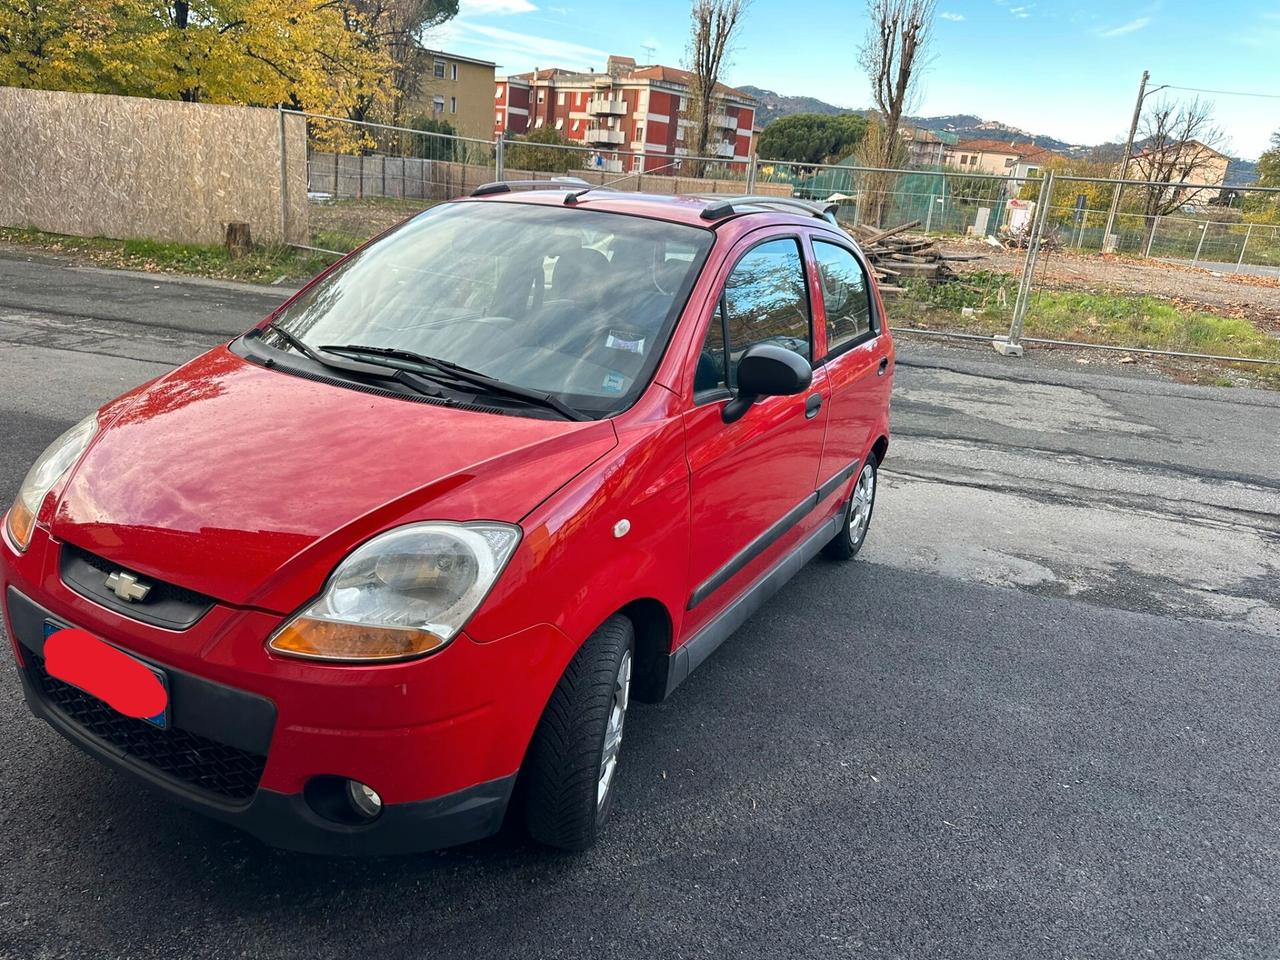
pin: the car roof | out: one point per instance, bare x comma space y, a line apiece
679, 208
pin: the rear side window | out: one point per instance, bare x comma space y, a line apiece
846, 294
765, 300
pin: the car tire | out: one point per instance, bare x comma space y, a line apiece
571, 767
857, 514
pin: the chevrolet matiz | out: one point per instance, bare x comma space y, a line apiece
391, 566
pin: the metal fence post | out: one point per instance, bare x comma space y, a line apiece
1010, 346
1204, 232
1155, 225
751, 172
284, 179
499, 157
1244, 246
928, 217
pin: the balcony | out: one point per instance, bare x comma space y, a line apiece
722, 121
723, 150
606, 107
605, 135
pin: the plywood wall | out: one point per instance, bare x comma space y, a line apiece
93, 165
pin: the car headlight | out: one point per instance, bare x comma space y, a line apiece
402, 594
44, 473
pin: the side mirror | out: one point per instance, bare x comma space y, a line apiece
767, 370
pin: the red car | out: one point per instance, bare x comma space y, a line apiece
397, 559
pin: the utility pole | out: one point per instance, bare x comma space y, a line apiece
1124, 166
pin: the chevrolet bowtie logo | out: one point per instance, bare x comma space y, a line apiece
127, 587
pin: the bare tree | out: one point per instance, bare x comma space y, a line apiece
1179, 147
896, 46
713, 31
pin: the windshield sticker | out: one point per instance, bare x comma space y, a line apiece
614, 382
625, 341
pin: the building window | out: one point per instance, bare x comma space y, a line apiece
453, 104
497, 117
453, 70
439, 70
437, 104
560, 99
640, 132
560, 123
577, 125
542, 96
684, 103
538, 122
497, 93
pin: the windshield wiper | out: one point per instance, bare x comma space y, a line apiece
378, 370
464, 374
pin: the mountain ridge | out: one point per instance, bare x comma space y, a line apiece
966, 126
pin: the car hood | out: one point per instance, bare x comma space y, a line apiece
248, 484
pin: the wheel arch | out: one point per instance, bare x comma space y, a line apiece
653, 629
880, 448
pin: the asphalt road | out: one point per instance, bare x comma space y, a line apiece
1037, 717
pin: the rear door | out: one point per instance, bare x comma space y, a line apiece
751, 477
857, 355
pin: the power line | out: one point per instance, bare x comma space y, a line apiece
1224, 93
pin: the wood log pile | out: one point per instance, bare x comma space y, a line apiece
897, 255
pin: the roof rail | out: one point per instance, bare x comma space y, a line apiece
723, 206
510, 186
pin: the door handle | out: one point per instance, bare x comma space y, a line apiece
884, 365
812, 406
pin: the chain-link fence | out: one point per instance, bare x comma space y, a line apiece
1016, 258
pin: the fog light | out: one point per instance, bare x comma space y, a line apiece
364, 799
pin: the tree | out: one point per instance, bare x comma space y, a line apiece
314, 54
1265, 207
714, 29
812, 137
878, 183
439, 142
540, 152
895, 48
1178, 147
396, 28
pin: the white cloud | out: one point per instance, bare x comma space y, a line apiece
1020, 12
495, 7
1130, 27
522, 51
953, 17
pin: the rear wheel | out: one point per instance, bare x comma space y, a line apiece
573, 759
857, 516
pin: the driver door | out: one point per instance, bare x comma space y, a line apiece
751, 478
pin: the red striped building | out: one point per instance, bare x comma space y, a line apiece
624, 111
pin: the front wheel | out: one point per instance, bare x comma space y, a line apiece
573, 759
857, 515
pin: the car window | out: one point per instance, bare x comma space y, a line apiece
765, 300
845, 292
573, 302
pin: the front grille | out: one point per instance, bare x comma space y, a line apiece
187, 757
167, 605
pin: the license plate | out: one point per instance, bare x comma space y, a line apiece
86, 683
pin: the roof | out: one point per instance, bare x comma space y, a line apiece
680, 208
459, 58
1201, 148
1023, 151
685, 77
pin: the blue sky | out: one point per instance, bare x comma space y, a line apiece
1068, 70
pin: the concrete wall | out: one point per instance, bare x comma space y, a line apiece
92, 165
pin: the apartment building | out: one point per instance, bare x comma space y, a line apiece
455, 89
626, 110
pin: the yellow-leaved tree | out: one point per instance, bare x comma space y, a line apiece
315, 54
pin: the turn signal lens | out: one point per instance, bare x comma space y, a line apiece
20, 525
331, 640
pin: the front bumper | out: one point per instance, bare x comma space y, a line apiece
212, 757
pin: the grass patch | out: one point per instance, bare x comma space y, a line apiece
981, 302
264, 264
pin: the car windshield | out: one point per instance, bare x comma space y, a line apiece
571, 302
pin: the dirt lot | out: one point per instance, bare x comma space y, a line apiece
1252, 298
